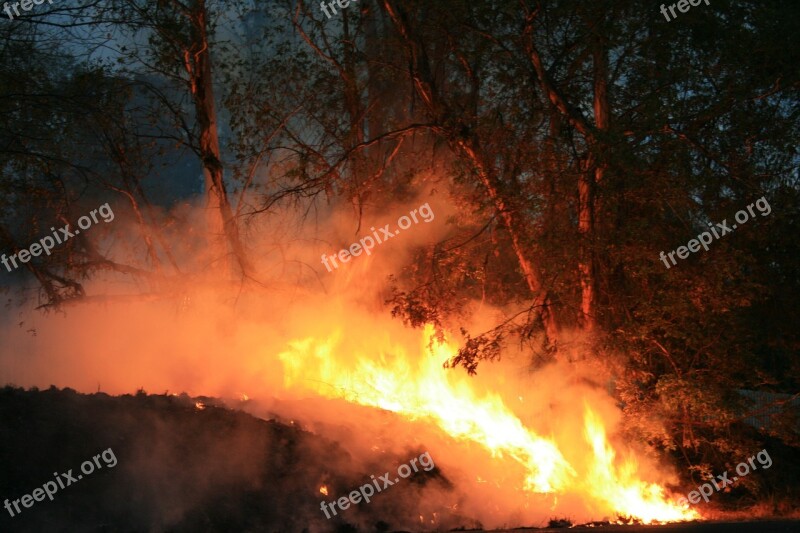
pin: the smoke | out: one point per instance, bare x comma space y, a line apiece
215, 338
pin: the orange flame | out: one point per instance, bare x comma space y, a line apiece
422, 390
619, 488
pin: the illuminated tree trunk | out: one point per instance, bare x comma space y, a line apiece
222, 226
589, 179
530, 270
468, 146
593, 169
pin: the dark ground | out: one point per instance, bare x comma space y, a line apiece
179, 468
184, 469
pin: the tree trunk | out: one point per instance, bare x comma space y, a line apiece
590, 178
425, 86
222, 226
530, 271
592, 171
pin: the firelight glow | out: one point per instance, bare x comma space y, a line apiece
422, 390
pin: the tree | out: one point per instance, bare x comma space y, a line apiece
179, 34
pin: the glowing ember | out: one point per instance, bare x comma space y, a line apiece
199, 406
323, 490
424, 391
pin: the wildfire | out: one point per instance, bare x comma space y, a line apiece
619, 486
422, 390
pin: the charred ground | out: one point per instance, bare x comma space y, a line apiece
180, 468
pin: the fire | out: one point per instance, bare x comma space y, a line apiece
422, 390
619, 486
323, 490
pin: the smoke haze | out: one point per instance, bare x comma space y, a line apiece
225, 340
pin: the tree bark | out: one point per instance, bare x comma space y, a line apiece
593, 169
222, 225
469, 147
587, 193
530, 271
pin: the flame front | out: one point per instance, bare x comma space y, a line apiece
424, 391
620, 488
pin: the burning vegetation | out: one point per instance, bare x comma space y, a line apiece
505, 173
